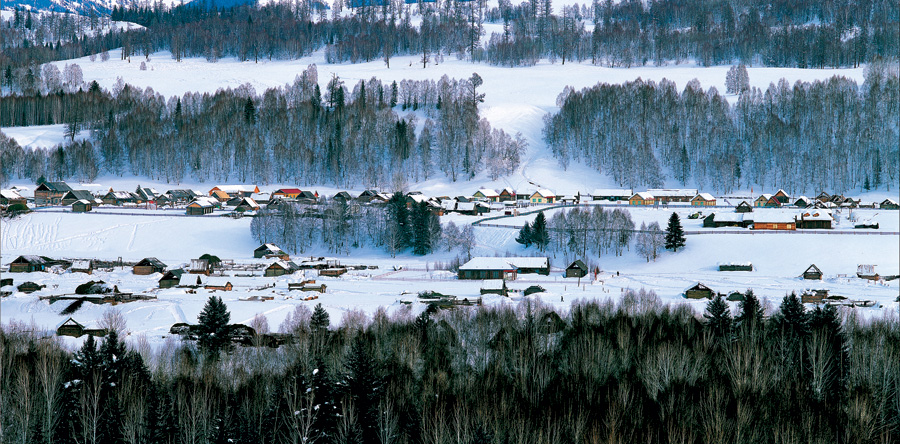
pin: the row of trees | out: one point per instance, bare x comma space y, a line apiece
633, 371
296, 133
628, 33
580, 232
831, 134
341, 227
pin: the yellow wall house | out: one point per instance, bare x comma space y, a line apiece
703, 200
642, 198
543, 197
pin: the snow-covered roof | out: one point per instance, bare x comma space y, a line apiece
81, 265
204, 202
612, 192
121, 195
249, 201
190, 280
744, 264
237, 188
465, 206
644, 195
889, 201
448, 204
705, 196
492, 284
820, 214
486, 192
417, 198
764, 196
729, 217
10, 194
667, 192
545, 193
488, 263
83, 201
271, 247
773, 217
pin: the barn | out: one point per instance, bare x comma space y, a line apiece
28, 264
50, 193
812, 272
149, 265
171, 278
699, 291
82, 206
576, 269
201, 206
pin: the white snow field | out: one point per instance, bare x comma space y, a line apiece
42, 136
778, 260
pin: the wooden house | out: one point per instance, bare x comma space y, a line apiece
889, 204
171, 278
75, 195
576, 269
735, 266
221, 196
815, 219
119, 198
812, 273
333, 272
472, 208
342, 196
29, 287
699, 291
507, 195
823, 197
782, 197
508, 268
494, 286
28, 264
149, 265
269, 251
703, 200
666, 195
314, 287
764, 200
82, 266
867, 272
281, 268
82, 206
774, 221
247, 204
235, 190
802, 202
188, 280
612, 195
543, 196
366, 196
11, 197
719, 220
146, 195
70, 327
487, 195
287, 193
50, 193
642, 198
201, 206
220, 284
308, 196
176, 197
813, 296
743, 207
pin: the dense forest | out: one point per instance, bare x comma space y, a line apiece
806, 137
809, 33
294, 134
636, 371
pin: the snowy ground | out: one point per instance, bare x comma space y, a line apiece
778, 260
42, 136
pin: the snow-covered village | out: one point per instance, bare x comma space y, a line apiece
472, 221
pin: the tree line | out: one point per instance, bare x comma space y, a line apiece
341, 226
807, 34
632, 371
296, 133
806, 137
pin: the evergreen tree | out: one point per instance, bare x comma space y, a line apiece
525, 237
213, 331
674, 233
320, 320
718, 317
792, 318
540, 236
421, 231
398, 234
249, 112
364, 384
751, 310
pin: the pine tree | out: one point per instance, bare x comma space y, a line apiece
213, 320
421, 232
249, 112
674, 233
320, 319
398, 234
364, 386
525, 237
540, 236
751, 311
718, 317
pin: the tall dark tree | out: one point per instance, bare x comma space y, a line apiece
525, 236
213, 335
320, 319
674, 233
421, 230
364, 385
540, 235
717, 317
752, 311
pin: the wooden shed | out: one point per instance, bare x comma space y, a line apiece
812, 272
642, 198
494, 286
149, 265
699, 291
576, 269
281, 268
703, 200
171, 278
889, 204
744, 207
71, 328
270, 251
75, 195
82, 206
82, 266
29, 287
28, 264
735, 266
201, 206
333, 272
218, 284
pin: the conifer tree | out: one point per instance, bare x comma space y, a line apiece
213, 320
751, 310
674, 233
320, 319
525, 235
364, 386
540, 236
421, 230
718, 317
